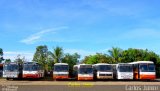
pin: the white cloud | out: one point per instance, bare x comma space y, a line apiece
37, 36
13, 54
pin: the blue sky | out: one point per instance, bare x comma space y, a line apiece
83, 26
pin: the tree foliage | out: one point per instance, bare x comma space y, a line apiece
115, 53
58, 54
97, 58
71, 60
50, 61
40, 56
7, 60
1, 55
19, 59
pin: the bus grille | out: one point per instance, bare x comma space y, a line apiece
105, 74
62, 74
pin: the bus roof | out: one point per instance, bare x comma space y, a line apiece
82, 65
138, 62
123, 64
85, 64
60, 64
12, 63
101, 64
30, 63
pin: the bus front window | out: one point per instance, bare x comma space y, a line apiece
35, 67
86, 70
62, 68
26, 67
11, 67
105, 68
125, 69
30, 67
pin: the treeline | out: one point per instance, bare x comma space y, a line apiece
117, 55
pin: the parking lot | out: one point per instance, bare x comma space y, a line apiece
35, 85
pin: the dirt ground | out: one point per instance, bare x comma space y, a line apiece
76, 83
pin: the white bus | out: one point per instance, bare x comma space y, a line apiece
124, 71
144, 70
32, 70
61, 71
83, 71
12, 70
103, 71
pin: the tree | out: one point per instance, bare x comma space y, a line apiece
7, 60
97, 58
40, 56
71, 60
50, 61
58, 54
1, 55
19, 59
115, 53
132, 55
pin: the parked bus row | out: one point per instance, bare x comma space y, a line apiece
15, 70
140, 70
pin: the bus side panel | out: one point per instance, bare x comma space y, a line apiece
147, 76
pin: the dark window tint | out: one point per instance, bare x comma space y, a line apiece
125, 68
61, 68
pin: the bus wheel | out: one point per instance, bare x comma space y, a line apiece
7, 78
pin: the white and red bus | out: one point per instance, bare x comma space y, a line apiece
32, 70
61, 71
103, 71
83, 71
144, 70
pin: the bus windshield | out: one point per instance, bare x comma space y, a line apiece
61, 68
147, 68
125, 68
86, 70
11, 67
105, 68
30, 67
